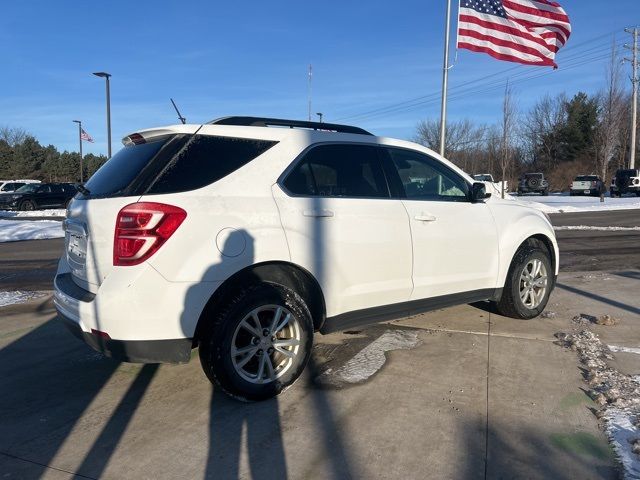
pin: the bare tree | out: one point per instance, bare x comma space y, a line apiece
542, 126
13, 135
462, 141
509, 114
611, 109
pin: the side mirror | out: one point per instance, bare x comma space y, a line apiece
478, 192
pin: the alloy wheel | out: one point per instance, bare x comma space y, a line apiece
533, 283
265, 344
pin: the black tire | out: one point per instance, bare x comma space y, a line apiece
27, 205
216, 344
545, 193
510, 304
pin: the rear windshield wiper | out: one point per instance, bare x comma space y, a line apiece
82, 189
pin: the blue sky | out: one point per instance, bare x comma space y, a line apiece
251, 58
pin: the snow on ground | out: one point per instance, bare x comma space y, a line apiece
601, 229
11, 231
617, 395
53, 212
563, 203
11, 298
370, 359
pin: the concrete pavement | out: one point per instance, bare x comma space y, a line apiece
68, 411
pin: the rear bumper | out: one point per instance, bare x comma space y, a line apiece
137, 351
585, 191
135, 315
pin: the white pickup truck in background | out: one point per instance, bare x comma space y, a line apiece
492, 186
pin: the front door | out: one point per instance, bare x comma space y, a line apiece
455, 242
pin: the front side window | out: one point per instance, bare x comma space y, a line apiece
339, 171
424, 178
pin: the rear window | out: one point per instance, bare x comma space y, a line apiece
178, 164
115, 176
586, 178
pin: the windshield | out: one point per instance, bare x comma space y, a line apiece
533, 175
483, 178
28, 188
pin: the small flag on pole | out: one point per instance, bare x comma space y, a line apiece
523, 31
85, 136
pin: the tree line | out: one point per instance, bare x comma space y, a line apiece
561, 136
22, 156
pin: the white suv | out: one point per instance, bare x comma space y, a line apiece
243, 239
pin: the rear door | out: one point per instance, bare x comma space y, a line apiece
342, 226
455, 242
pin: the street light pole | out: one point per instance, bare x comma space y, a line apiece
319, 114
80, 142
106, 76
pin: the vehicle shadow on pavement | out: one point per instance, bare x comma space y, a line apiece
48, 381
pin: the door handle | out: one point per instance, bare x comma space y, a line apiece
317, 213
425, 217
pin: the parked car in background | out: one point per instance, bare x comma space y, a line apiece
7, 186
34, 196
492, 186
244, 240
587, 185
625, 181
533, 183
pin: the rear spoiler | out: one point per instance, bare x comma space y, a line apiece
153, 134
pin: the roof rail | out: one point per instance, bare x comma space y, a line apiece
279, 122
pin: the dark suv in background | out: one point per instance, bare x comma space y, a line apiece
533, 183
625, 181
34, 196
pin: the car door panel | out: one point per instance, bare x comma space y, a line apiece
455, 242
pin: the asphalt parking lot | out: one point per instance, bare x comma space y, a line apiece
463, 392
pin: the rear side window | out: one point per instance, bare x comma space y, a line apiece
339, 171
205, 159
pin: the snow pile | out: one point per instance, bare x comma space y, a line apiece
617, 394
11, 298
11, 231
566, 204
52, 212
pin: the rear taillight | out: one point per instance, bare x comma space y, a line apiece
593, 184
141, 229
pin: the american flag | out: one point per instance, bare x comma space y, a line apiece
522, 31
85, 136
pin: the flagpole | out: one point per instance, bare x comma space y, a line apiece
445, 79
80, 141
